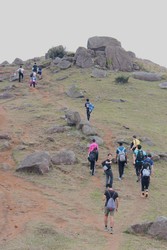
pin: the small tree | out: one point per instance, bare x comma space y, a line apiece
58, 51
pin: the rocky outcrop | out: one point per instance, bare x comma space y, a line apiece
73, 118
101, 42
118, 59
18, 61
106, 52
39, 162
157, 228
66, 157
163, 85
146, 76
74, 92
83, 58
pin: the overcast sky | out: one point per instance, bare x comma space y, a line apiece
29, 28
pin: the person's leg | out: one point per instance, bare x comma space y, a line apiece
106, 219
119, 169
111, 178
123, 167
146, 186
111, 221
107, 177
137, 166
19, 77
142, 187
93, 167
88, 114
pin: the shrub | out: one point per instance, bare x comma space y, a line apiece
58, 51
122, 79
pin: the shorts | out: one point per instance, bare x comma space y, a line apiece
107, 211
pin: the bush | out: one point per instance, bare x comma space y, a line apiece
122, 79
58, 51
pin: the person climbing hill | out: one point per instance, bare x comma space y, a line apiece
89, 108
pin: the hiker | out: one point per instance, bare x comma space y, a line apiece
93, 145
20, 71
89, 108
134, 143
108, 170
139, 155
34, 68
92, 158
33, 79
145, 178
107, 195
121, 159
39, 72
148, 158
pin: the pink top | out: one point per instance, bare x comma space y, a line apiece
92, 146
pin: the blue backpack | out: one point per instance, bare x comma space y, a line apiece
91, 107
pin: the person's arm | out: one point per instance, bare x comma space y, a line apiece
117, 203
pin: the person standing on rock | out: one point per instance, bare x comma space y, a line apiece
109, 192
89, 108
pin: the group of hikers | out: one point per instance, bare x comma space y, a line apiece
143, 165
36, 70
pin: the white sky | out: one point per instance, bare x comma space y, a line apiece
29, 28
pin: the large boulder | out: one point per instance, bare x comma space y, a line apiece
147, 76
157, 228
73, 118
74, 92
64, 64
66, 157
39, 162
99, 73
118, 59
101, 42
88, 130
163, 85
83, 58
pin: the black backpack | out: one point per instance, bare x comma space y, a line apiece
140, 156
92, 156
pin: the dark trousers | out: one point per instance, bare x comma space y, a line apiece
92, 167
32, 84
88, 114
20, 76
145, 181
121, 166
138, 166
109, 177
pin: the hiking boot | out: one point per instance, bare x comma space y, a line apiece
142, 194
111, 230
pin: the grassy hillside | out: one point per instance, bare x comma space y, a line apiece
45, 219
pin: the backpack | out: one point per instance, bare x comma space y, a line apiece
146, 169
92, 156
91, 107
121, 154
140, 156
111, 203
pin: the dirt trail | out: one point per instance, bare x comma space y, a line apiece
21, 201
